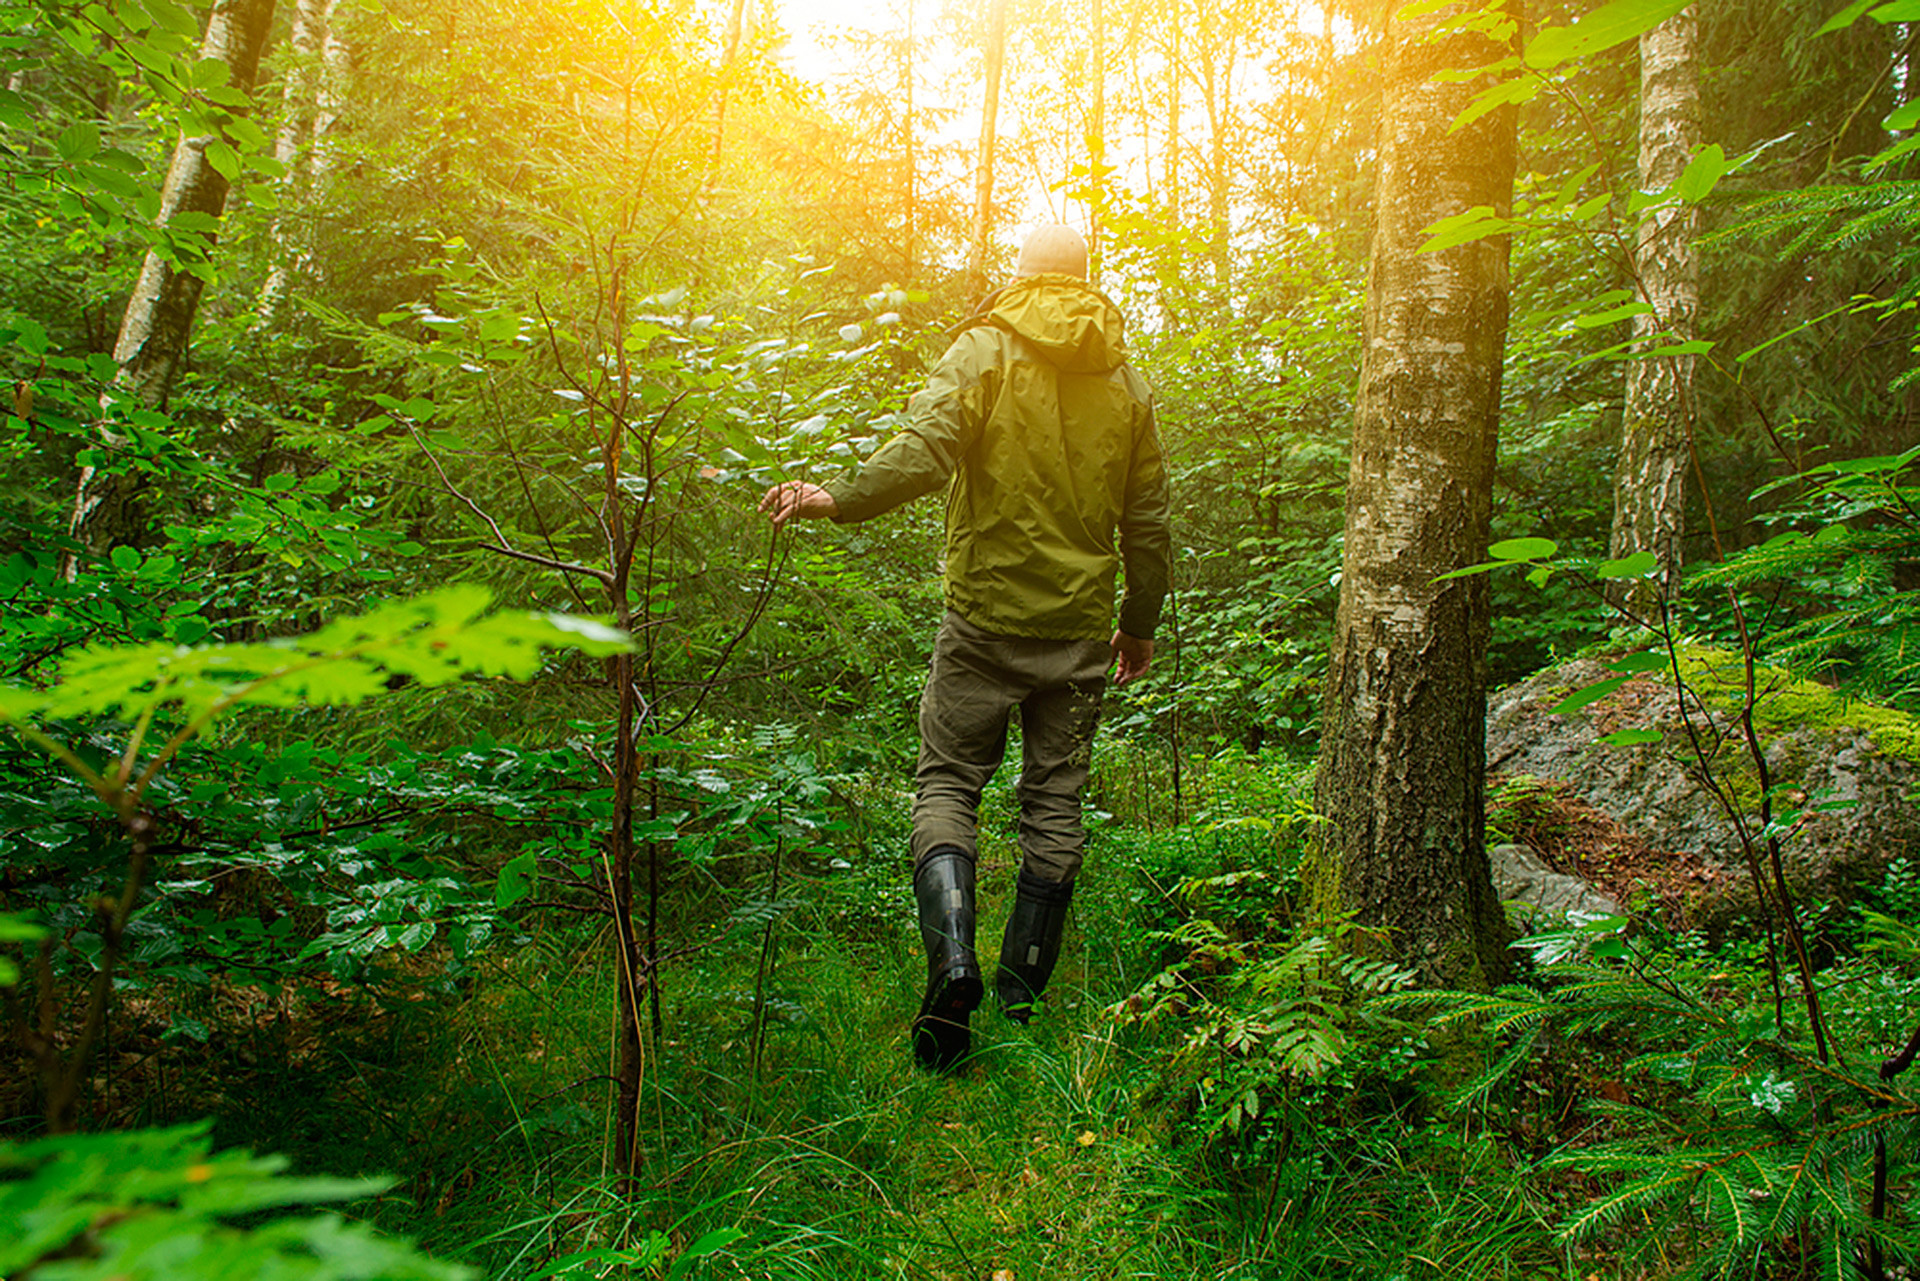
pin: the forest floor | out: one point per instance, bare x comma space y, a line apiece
1063, 1150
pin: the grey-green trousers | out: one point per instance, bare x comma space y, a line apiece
977, 679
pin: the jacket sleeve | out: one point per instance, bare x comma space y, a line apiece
943, 422
1146, 534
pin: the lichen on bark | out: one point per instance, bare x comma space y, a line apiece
1401, 780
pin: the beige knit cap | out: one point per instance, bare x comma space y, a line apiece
1055, 247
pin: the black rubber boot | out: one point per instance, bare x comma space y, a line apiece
1031, 944
943, 888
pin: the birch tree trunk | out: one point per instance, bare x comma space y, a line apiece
329, 100
1097, 142
1649, 488
989, 134
159, 314
293, 148
1401, 780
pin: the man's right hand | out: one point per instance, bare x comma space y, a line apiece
792, 498
1133, 654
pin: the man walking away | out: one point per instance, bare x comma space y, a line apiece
1044, 437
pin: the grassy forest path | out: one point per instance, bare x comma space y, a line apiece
1064, 1150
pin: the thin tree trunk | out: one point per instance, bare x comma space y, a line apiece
1649, 489
159, 316
1219, 96
1401, 779
1097, 142
736, 21
908, 72
1172, 249
293, 149
989, 134
328, 102
1170, 160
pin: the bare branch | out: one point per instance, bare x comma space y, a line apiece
500, 543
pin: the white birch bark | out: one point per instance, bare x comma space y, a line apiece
293, 148
152, 343
1649, 490
1401, 781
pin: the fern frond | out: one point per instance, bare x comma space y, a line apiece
1502, 1011
1666, 1179
1521, 1051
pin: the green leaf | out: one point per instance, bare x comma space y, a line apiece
1591, 694
1475, 224
1638, 565
1510, 92
1906, 146
435, 639
180, 19
1613, 315
516, 880
29, 335
1591, 207
590, 634
1630, 737
1512, 549
125, 558
417, 935
712, 1243
1907, 117
1898, 11
209, 73
1703, 173
1846, 17
14, 110
15, 928
1609, 25
1692, 347
1639, 664
1471, 570
224, 159
77, 141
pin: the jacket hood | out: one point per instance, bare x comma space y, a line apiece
1076, 327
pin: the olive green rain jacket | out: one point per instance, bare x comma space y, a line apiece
1047, 436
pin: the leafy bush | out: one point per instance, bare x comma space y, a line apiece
159, 1205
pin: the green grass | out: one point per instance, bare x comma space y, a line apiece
1065, 1151
1058, 1154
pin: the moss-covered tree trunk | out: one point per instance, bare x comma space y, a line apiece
1402, 770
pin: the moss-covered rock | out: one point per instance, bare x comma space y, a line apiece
1847, 768
1784, 703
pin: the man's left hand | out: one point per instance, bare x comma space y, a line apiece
797, 498
1133, 654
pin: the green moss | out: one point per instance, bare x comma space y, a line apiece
1785, 702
